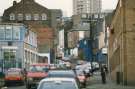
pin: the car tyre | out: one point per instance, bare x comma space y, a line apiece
28, 86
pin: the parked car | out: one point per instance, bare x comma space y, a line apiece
2, 80
35, 73
14, 75
58, 83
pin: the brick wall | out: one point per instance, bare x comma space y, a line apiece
122, 43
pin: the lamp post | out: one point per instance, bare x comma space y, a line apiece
91, 41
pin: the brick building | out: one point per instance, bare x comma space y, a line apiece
121, 43
37, 17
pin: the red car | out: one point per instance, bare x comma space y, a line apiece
35, 73
14, 75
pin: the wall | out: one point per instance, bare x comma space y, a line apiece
121, 43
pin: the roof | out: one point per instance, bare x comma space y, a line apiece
26, 7
58, 79
39, 64
61, 72
14, 69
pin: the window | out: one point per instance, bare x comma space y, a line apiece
2, 32
8, 32
9, 54
12, 16
16, 32
44, 16
36, 16
28, 16
20, 17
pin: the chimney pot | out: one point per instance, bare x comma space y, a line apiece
14, 3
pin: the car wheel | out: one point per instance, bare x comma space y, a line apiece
22, 83
6, 83
28, 86
84, 84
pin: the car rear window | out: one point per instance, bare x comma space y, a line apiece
38, 68
58, 85
68, 74
13, 73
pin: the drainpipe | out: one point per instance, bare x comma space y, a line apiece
124, 43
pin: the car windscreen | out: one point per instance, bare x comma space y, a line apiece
38, 68
58, 85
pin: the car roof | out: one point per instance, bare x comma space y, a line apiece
39, 64
14, 69
58, 79
61, 72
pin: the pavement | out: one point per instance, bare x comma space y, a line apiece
96, 83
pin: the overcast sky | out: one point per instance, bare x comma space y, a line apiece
65, 5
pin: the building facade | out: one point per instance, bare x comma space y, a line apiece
41, 19
76, 35
121, 43
18, 46
86, 6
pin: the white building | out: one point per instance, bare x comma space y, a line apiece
86, 6
61, 43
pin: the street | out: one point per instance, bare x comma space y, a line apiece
94, 82
67, 44
17, 87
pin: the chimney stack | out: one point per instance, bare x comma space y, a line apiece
14, 3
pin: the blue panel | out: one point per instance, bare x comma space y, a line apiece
86, 46
87, 54
81, 44
101, 57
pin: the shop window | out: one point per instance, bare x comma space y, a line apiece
9, 58
9, 55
